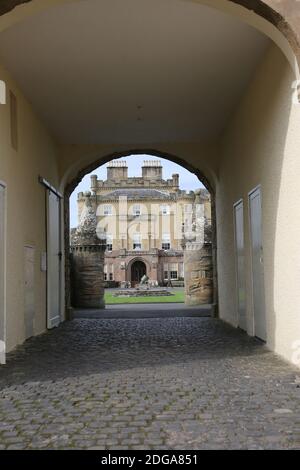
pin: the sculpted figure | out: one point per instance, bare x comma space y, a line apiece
144, 279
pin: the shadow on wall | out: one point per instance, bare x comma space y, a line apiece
256, 149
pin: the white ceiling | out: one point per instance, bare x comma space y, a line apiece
129, 71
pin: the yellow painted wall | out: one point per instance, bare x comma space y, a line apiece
19, 170
261, 146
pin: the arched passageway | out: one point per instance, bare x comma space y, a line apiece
211, 85
238, 132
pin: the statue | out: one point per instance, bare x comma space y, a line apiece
144, 279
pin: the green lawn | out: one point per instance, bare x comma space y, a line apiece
178, 297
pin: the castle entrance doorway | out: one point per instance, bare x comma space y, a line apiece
138, 270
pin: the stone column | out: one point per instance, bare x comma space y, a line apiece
198, 262
87, 262
198, 275
87, 277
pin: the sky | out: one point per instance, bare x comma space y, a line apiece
187, 180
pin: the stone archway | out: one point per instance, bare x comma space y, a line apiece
281, 14
208, 182
137, 270
68, 164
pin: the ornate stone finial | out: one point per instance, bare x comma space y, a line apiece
86, 232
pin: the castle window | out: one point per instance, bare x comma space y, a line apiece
181, 270
165, 210
137, 245
166, 241
166, 271
136, 210
107, 209
111, 273
108, 272
173, 270
109, 242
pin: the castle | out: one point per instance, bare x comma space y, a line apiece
146, 220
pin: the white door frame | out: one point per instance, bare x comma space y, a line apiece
3, 275
250, 193
238, 319
29, 313
53, 321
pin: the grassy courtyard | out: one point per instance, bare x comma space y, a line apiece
177, 297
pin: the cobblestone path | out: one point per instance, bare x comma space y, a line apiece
173, 383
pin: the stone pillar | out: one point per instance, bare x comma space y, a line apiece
87, 279
198, 273
87, 262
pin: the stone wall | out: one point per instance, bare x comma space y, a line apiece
87, 286
198, 274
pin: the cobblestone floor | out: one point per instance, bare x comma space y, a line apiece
175, 383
